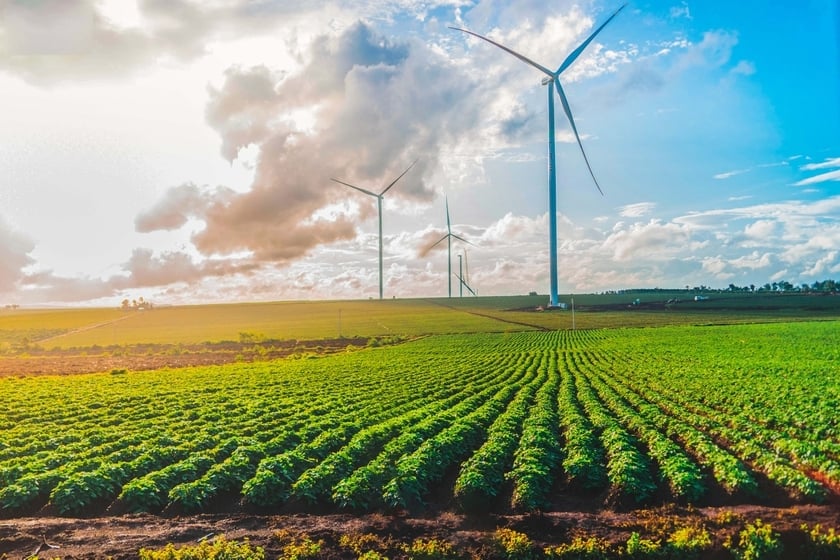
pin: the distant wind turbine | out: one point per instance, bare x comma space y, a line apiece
448, 237
464, 275
552, 79
378, 198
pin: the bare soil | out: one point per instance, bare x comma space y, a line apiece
141, 357
121, 537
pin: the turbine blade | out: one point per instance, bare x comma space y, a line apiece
467, 286
568, 112
448, 223
355, 187
398, 178
458, 237
438, 241
576, 53
524, 59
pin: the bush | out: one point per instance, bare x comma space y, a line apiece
638, 547
757, 542
513, 544
821, 545
590, 548
219, 549
431, 549
297, 547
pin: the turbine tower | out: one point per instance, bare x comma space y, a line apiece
464, 275
448, 237
552, 79
378, 198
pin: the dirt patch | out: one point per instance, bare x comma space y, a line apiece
141, 357
121, 537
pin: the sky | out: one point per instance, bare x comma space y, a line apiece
182, 151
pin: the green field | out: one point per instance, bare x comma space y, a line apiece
518, 419
68, 328
471, 406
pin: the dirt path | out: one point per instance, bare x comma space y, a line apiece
493, 317
85, 328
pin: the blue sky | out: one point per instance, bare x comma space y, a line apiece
183, 151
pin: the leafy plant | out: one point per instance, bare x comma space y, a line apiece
430, 549
757, 541
581, 548
218, 549
514, 545
821, 544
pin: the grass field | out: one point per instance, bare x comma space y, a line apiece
68, 328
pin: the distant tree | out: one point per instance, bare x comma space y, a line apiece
124, 304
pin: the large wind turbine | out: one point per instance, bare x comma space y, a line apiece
552, 79
448, 237
378, 198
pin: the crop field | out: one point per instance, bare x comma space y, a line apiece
506, 417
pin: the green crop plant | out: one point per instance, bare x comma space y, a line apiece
757, 541
218, 549
514, 545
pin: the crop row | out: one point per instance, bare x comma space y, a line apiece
492, 421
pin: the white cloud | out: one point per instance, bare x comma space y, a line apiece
827, 164
728, 174
761, 229
744, 68
637, 210
821, 178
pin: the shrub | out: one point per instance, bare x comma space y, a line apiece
297, 547
361, 543
757, 542
219, 549
638, 547
687, 541
431, 549
589, 548
821, 545
513, 544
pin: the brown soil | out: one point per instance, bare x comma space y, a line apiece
122, 537
141, 357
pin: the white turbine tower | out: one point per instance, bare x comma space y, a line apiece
552, 79
378, 198
448, 237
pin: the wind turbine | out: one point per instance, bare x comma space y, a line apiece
448, 237
464, 275
552, 79
378, 198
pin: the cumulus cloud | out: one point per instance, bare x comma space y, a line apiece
55, 41
278, 219
178, 205
760, 230
654, 240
